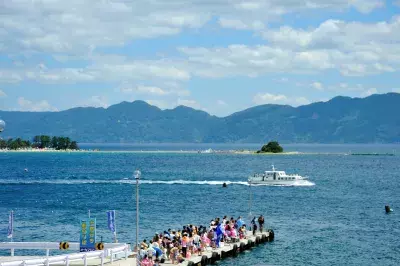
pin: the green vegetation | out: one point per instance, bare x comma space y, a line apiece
271, 147
340, 120
40, 142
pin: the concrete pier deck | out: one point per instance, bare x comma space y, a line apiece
229, 250
207, 257
212, 255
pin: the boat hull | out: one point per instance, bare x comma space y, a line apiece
286, 183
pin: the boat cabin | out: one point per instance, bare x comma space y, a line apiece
274, 175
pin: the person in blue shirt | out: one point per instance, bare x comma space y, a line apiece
240, 222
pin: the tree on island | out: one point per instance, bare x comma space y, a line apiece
272, 146
41, 142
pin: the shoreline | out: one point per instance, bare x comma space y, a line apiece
226, 152
144, 151
209, 151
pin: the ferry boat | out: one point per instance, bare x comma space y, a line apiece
275, 177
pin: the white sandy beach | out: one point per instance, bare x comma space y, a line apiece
147, 151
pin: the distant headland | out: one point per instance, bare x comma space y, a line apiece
340, 120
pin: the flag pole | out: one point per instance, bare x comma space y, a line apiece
11, 230
115, 227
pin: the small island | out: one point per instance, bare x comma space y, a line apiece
39, 142
271, 147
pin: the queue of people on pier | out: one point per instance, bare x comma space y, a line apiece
193, 240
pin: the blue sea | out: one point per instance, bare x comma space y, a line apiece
337, 218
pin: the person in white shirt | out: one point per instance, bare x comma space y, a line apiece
224, 220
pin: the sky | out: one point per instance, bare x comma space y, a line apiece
220, 56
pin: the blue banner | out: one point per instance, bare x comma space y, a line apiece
10, 225
111, 220
88, 235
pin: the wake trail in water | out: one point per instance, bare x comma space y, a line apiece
303, 183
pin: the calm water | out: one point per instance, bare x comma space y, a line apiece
340, 220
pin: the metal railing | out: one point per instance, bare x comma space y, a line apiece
109, 254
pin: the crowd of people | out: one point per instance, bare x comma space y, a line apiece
192, 240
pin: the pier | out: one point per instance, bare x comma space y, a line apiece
121, 255
210, 256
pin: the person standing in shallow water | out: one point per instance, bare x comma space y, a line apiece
261, 222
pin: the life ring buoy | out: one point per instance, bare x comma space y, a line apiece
64, 245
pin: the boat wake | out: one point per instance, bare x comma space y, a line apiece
301, 183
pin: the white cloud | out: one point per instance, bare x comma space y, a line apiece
103, 68
97, 101
240, 25
165, 104
397, 90
268, 98
189, 103
162, 104
145, 90
369, 92
2, 94
317, 85
221, 102
8, 76
281, 80
346, 88
153, 90
262, 98
79, 27
300, 101
352, 48
40, 106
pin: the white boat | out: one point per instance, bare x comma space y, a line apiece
275, 177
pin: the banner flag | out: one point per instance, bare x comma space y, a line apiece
111, 220
10, 225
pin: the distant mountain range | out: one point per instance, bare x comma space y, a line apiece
340, 120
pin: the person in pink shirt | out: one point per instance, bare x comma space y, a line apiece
146, 262
233, 233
